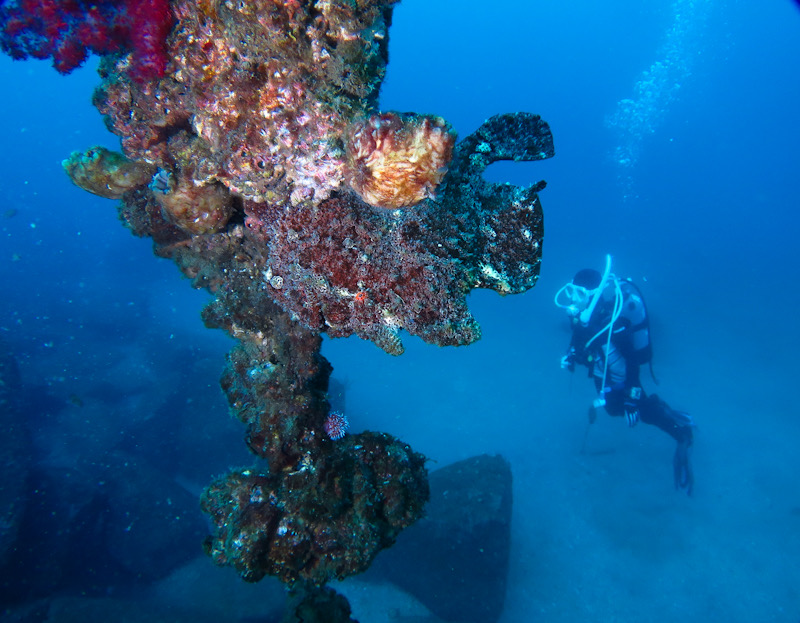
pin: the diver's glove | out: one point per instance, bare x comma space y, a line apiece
682, 466
568, 360
632, 399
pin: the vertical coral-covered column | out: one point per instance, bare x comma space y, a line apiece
260, 165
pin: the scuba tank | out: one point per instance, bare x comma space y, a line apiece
634, 309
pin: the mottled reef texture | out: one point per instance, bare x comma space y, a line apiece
260, 164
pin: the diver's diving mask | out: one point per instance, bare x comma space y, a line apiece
574, 299
580, 302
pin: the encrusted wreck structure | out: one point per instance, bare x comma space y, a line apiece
256, 158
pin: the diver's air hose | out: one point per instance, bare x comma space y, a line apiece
614, 316
610, 326
586, 314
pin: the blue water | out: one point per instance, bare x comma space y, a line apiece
676, 136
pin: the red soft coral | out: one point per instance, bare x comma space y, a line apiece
69, 30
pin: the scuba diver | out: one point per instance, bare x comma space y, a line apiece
611, 337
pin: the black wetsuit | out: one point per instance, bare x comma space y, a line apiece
628, 348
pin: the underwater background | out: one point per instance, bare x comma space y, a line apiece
676, 134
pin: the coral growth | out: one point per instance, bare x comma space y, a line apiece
342, 268
256, 164
261, 95
396, 161
68, 31
197, 208
106, 173
149, 23
290, 526
285, 123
